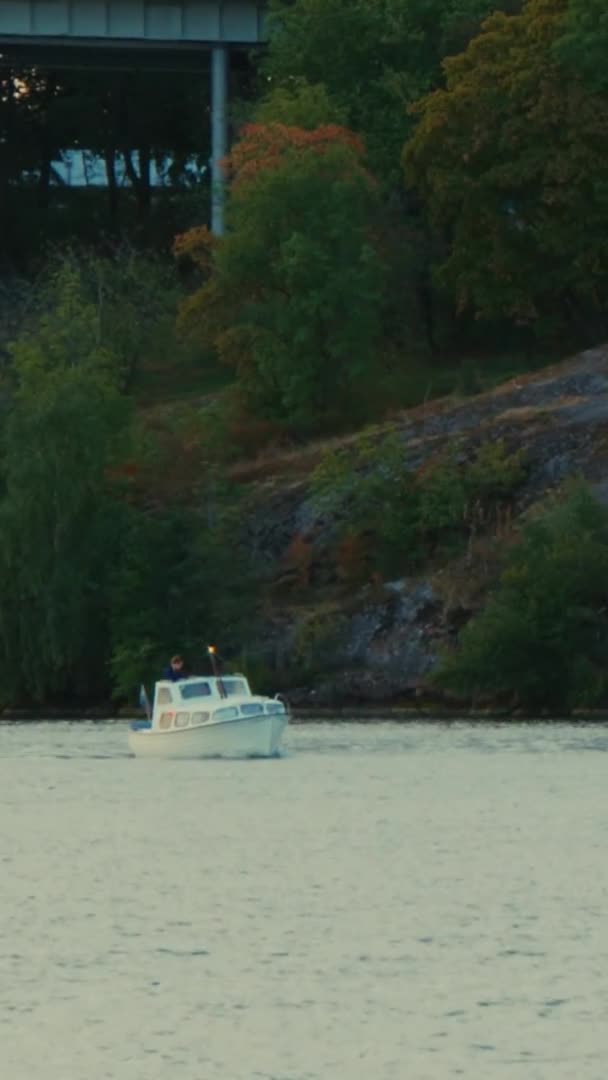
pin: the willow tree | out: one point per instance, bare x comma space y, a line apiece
60, 515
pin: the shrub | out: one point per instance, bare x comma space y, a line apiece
406, 518
367, 488
316, 643
541, 639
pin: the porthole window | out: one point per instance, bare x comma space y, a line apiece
199, 718
229, 713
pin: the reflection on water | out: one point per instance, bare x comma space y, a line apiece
383, 903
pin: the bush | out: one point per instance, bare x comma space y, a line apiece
368, 490
407, 518
541, 640
122, 306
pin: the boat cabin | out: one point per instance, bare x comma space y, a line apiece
194, 701
200, 687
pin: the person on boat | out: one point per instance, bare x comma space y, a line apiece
176, 670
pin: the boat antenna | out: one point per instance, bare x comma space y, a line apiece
211, 649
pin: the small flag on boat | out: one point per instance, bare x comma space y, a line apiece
144, 701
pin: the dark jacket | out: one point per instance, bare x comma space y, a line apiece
174, 676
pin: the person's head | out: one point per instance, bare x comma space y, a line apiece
176, 663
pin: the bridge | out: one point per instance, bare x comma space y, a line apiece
164, 31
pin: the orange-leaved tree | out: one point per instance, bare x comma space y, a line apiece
512, 160
292, 296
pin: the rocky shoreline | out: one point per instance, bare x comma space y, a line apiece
381, 641
348, 714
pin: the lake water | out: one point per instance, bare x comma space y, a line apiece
383, 903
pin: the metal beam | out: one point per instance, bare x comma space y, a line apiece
219, 134
108, 56
93, 22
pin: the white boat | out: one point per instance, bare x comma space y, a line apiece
209, 717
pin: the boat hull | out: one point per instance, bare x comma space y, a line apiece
245, 737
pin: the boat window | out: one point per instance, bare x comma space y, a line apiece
182, 719
275, 707
166, 719
251, 710
234, 687
199, 717
164, 696
229, 713
196, 689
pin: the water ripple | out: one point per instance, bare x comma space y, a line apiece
384, 902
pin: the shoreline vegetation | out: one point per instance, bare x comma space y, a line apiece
360, 441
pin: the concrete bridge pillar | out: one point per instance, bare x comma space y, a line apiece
219, 134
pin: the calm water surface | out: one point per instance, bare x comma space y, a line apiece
383, 903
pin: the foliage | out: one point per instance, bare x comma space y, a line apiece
299, 104
267, 147
541, 639
321, 308
136, 298
372, 58
584, 43
369, 491
316, 643
120, 308
97, 588
181, 577
60, 516
457, 492
278, 302
511, 159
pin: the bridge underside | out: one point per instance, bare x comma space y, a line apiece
150, 34
125, 56
106, 22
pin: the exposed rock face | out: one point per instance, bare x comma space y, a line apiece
384, 651
389, 636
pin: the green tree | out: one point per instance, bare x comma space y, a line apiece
541, 639
136, 298
294, 296
373, 57
130, 300
584, 43
183, 580
299, 104
512, 161
60, 516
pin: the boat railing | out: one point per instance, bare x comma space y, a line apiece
284, 701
